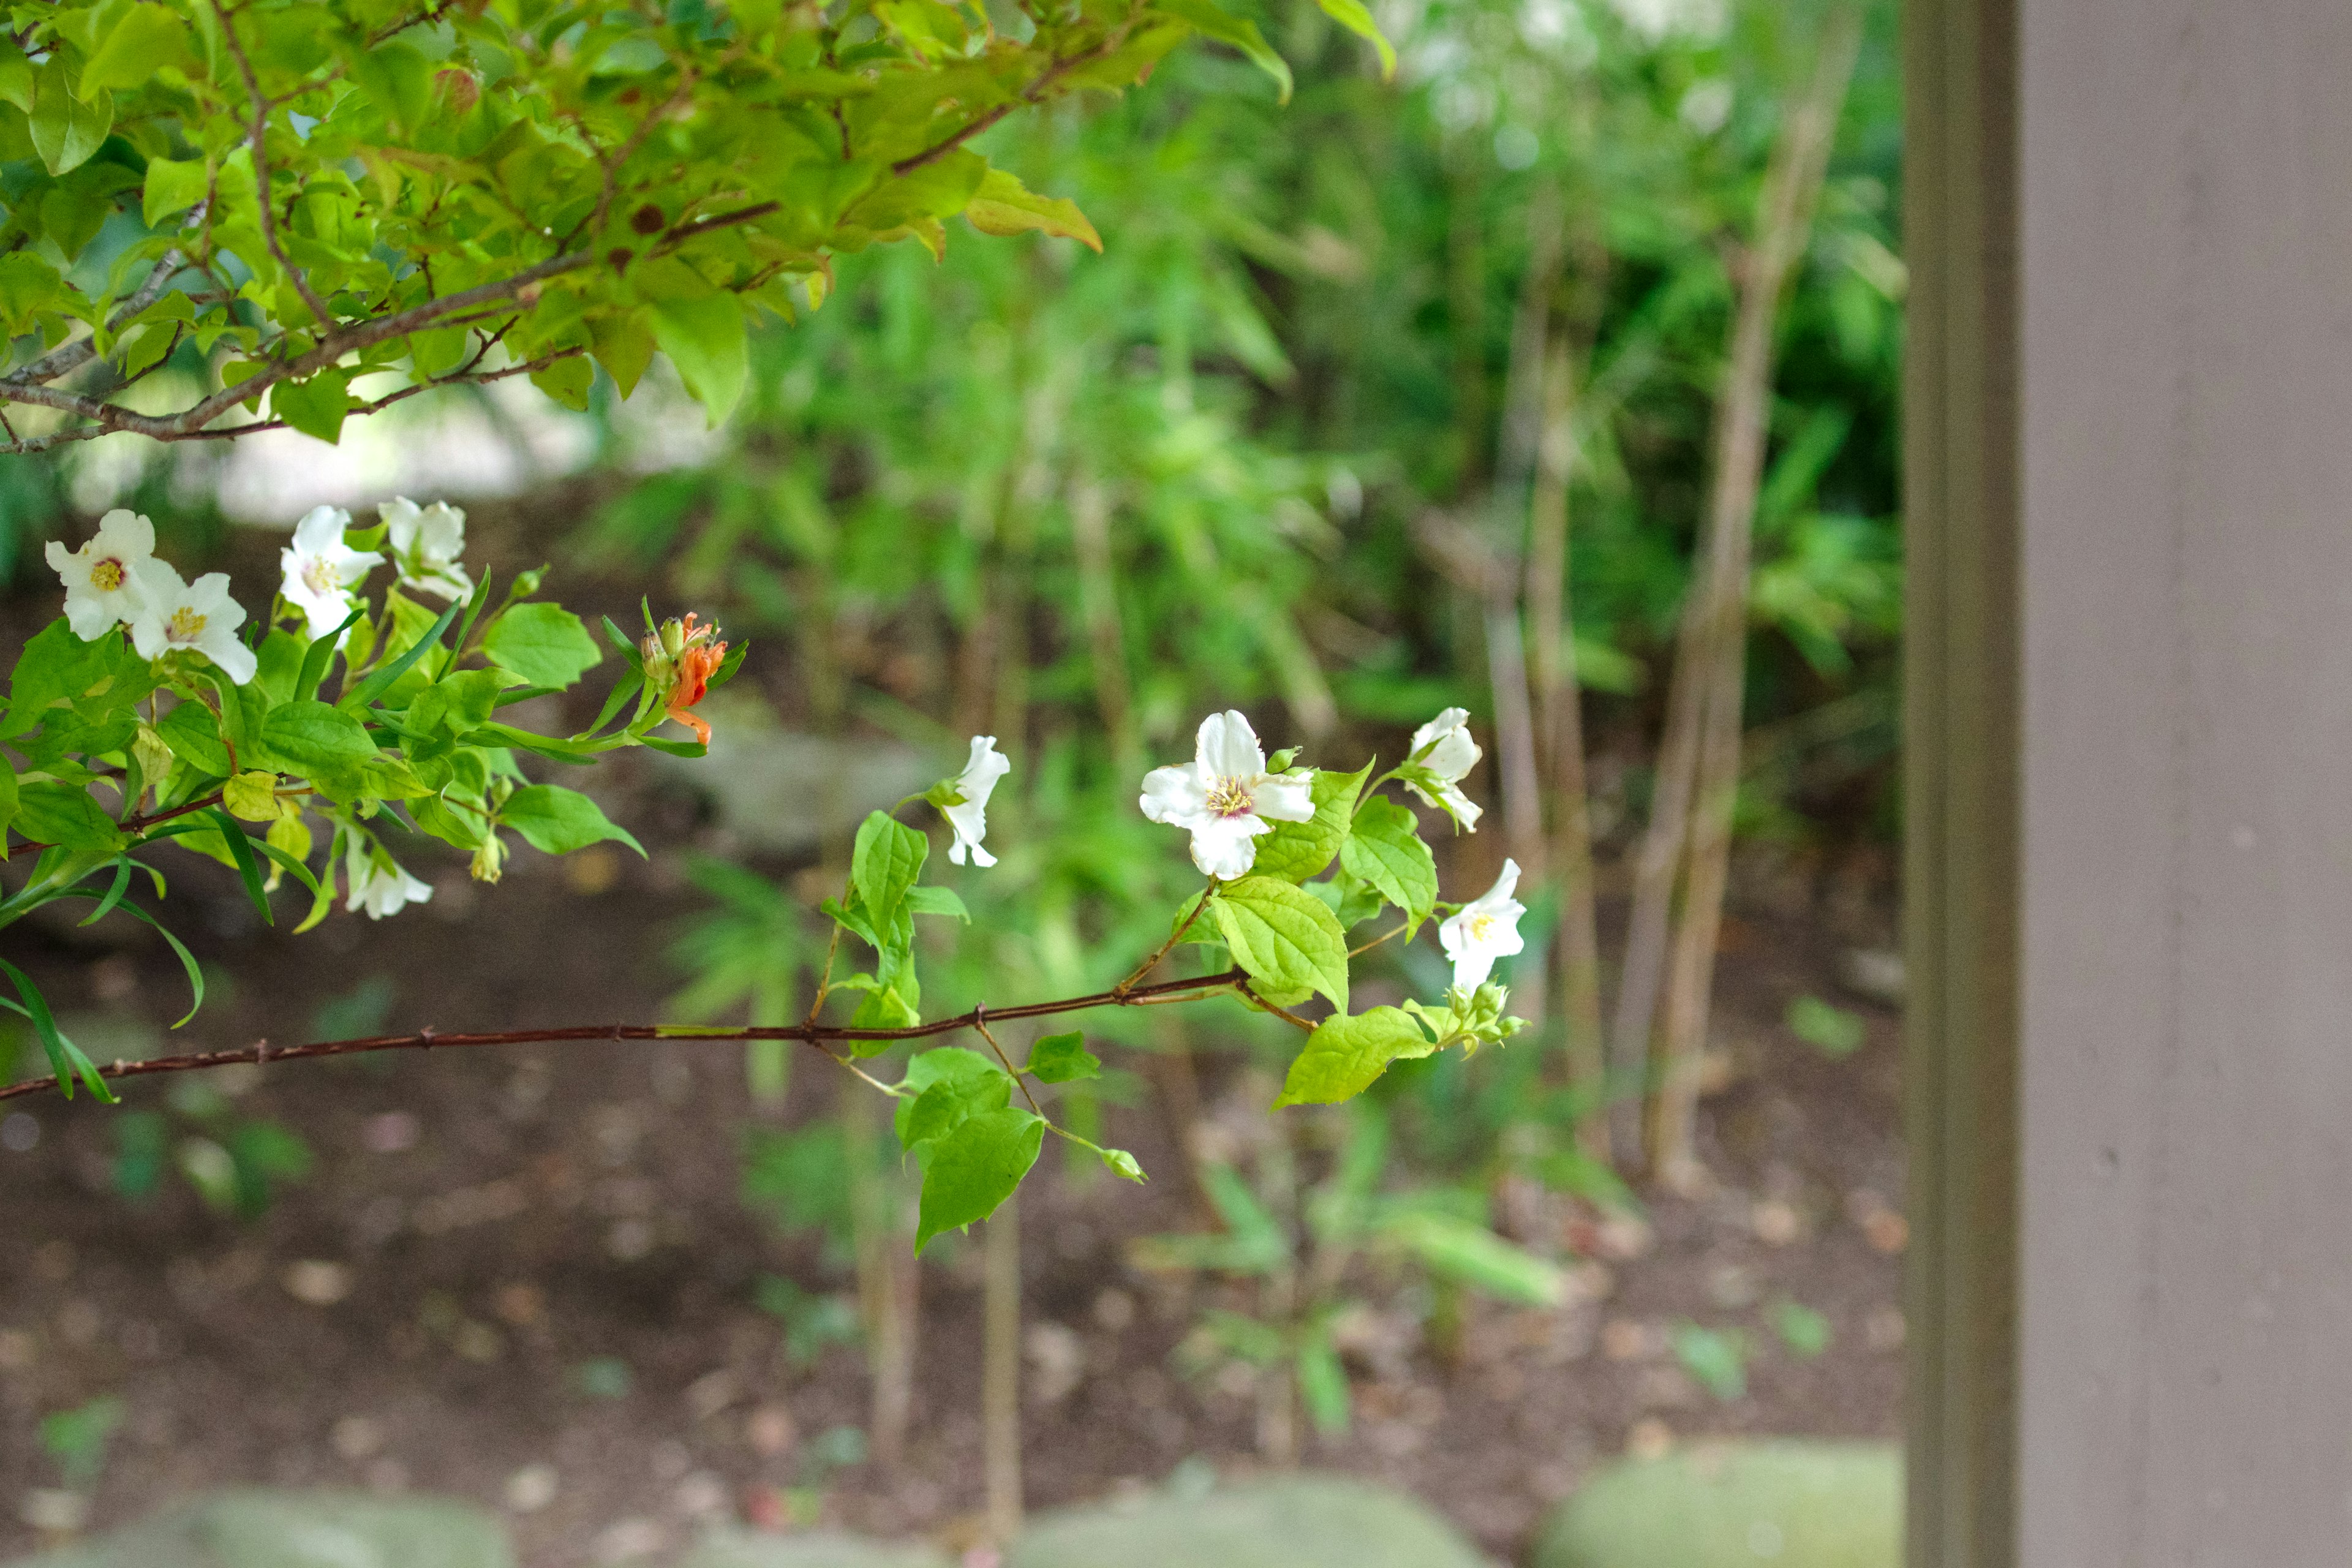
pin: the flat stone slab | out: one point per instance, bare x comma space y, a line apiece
813, 1549
298, 1530
1786, 1504
1290, 1521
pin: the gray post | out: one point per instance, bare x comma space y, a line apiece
2130, 783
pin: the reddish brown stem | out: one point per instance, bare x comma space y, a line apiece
817, 1035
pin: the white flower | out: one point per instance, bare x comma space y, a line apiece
425, 544
189, 617
1226, 797
1482, 931
968, 817
379, 885
322, 569
100, 587
1442, 756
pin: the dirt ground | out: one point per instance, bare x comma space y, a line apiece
517, 1225
526, 1278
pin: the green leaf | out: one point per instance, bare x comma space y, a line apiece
560, 820
1344, 1055
1225, 27
1352, 15
9, 798
944, 1064
381, 679
458, 703
1323, 1384
248, 864
1828, 1028
65, 1059
397, 79
1296, 852
885, 862
704, 339
1805, 1331
937, 901
1717, 1358
1063, 1058
544, 644
173, 187
1287, 939
948, 1104
1387, 853
568, 381
252, 795
147, 38
1004, 205
193, 732
66, 130
65, 816
316, 406
309, 738
1469, 1254
977, 1167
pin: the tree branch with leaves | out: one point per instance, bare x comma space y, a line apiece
371, 191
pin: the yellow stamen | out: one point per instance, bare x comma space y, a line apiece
107, 575
1230, 797
186, 625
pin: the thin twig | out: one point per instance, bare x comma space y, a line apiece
257, 136
980, 1022
1146, 967
816, 1035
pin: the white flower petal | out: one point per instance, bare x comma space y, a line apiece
1486, 928
1454, 755
124, 540
968, 817
1451, 720
400, 517
1228, 747
1174, 795
1285, 797
1226, 846
321, 527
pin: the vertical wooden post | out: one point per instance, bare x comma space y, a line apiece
2130, 732
1959, 784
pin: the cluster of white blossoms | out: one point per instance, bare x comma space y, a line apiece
1225, 799
116, 579
322, 571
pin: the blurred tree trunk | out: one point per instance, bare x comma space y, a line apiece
1000, 1378
1519, 763
1715, 623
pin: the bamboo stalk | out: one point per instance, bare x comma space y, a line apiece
1560, 737
1518, 765
1791, 186
1098, 606
1000, 1379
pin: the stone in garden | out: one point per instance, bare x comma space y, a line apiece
1291, 1522
786, 791
298, 1530
813, 1549
1788, 1503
